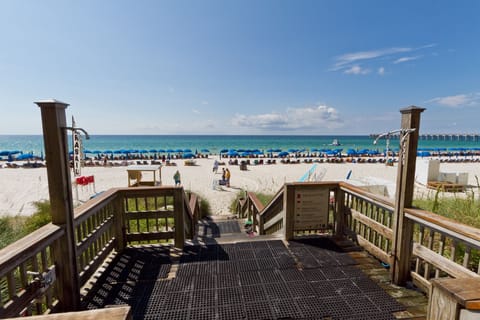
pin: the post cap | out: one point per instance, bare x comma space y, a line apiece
412, 109
51, 103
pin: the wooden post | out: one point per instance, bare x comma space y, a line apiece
119, 216
402, 227
178, 204
61, 202
289, 211
340, 213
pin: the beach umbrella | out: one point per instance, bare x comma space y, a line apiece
423, 154
170, 150
270, 150
314, 149
4, 153
351, 152
245, 154
232, 153
178, 150
117, 151
293, 150
241, 150
257, 152
86, 151
283, 154
205, 150
96, 151
143, 151
153, 150
188, 155
161, 150
187, 150
224, 151
24, 156
107, 151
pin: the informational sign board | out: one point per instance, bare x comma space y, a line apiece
311, 209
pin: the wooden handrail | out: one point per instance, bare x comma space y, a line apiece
255, 201
23, 249
372, 198
462, 231
85, 210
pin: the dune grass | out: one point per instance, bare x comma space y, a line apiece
459, 208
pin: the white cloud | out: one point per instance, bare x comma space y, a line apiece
458, 100
195, 111
405, 59
356, 69
349, 60
381, 71
306, 119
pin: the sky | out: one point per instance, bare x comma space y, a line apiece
241, 67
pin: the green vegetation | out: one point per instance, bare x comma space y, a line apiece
13, 228
263, 197
205, 209
465, 210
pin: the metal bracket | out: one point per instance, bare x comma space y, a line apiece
43, 279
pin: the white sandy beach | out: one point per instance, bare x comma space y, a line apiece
20, 187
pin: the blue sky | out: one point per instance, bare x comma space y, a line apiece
241, 67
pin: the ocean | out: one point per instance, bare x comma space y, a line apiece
215, 143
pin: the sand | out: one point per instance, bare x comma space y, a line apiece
20, 187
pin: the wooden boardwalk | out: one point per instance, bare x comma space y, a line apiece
226, 274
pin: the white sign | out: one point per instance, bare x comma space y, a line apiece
311, 209
77, 154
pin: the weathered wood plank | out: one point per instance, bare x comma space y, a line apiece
441, 262
94, 236
374, 250
446, 226
116, 313
150, 236
421, 282
154, 214
378, 227
23, 249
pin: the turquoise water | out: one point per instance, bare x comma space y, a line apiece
215, 143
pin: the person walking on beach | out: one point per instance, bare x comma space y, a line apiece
215, 166
176, 177
227, 177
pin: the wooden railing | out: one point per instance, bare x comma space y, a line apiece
18, 262
368, 221
441, 247
107, 223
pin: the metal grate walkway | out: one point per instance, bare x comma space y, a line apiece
246, 280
